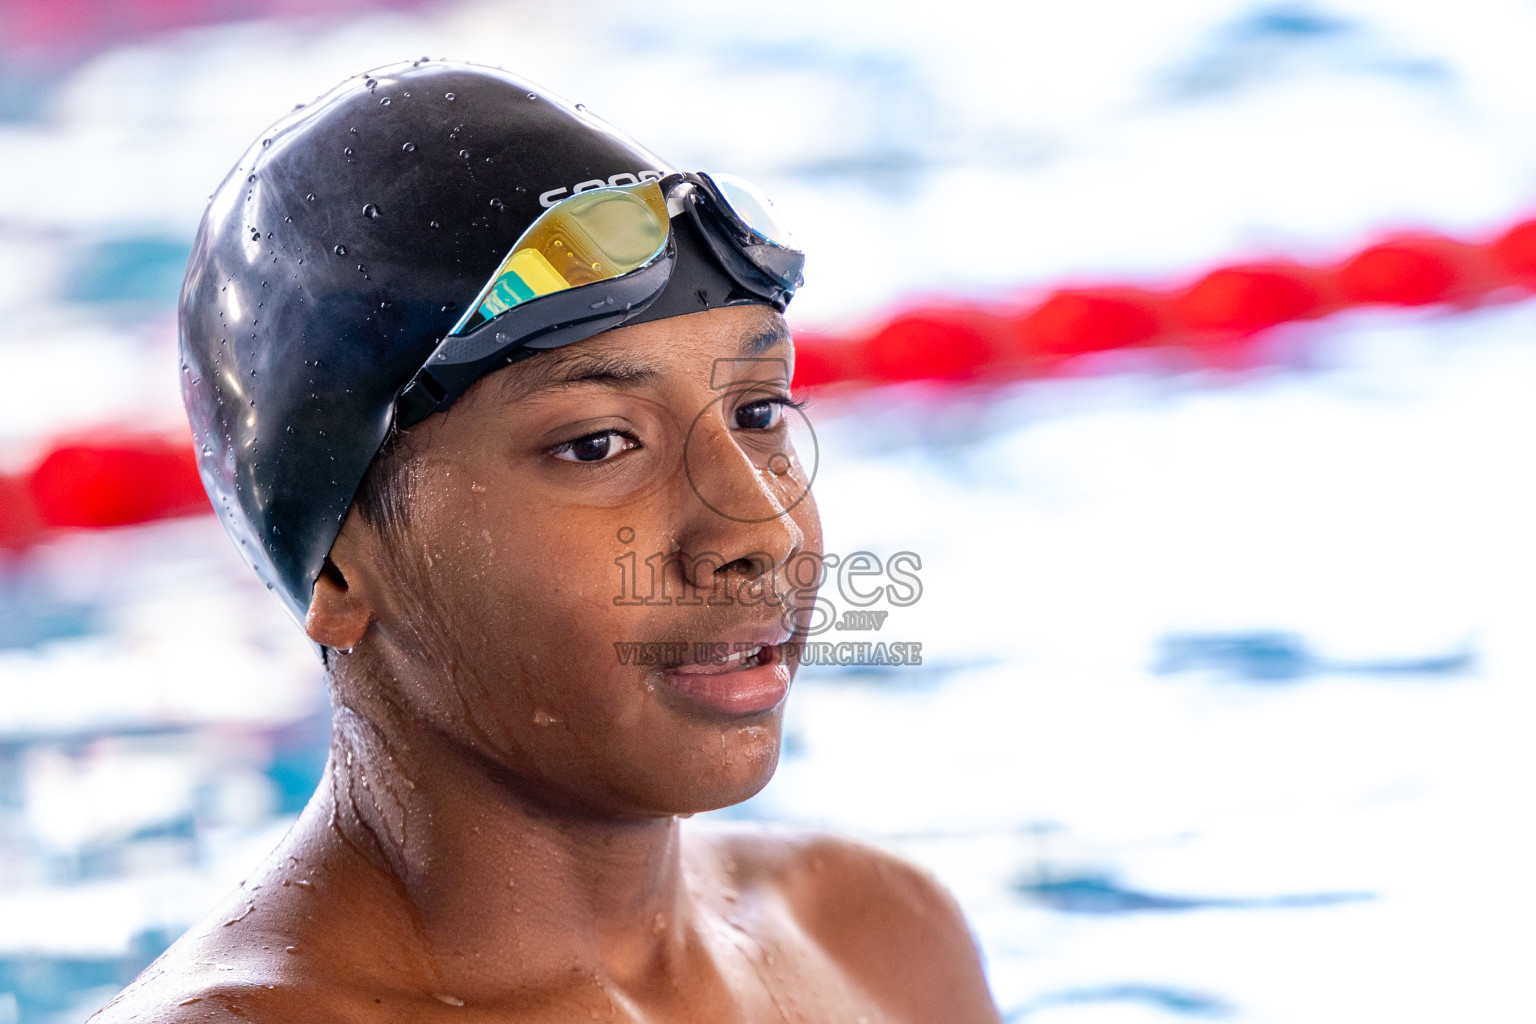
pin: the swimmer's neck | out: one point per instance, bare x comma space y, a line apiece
491, 875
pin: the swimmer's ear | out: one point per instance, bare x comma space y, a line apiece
338, 613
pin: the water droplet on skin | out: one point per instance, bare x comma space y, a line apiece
542, 717
448, 96
409, 147
340, 250
290, 949
370, 211
450, 1000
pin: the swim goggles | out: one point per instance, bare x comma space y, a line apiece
597, 259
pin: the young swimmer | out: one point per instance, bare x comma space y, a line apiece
453, 350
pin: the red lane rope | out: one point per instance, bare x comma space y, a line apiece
1216, 313
102, 481
116, 479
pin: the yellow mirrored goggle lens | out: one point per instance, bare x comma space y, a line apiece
592, 236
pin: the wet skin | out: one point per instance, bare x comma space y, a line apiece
497, 836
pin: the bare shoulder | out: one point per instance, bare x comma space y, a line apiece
184, 986
889, 924
805, 867
244, 962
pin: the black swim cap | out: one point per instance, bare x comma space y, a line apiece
339, 252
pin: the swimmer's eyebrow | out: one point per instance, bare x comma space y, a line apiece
756, 342
562, 370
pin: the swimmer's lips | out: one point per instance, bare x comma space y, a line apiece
748, 682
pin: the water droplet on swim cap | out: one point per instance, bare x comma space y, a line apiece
448, 96
340, 250
370, 211
464, 153
409, 147
384, 102
310, 196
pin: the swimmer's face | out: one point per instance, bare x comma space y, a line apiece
579, 524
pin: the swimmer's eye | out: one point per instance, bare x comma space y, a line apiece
598, 447
764, 413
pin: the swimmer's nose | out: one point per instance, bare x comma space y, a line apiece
738, 513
